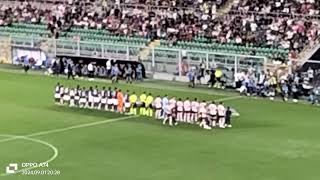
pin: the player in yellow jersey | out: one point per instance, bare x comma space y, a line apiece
133, 98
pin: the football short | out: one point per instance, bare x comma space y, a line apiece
57, 96
213, 116
103, 101
187, 111
66, 98
127, 105
109, 101
82, 100
96, 99
180, 110
115, 102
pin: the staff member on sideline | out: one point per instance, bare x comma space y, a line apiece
228, 117
70, 71
91, 71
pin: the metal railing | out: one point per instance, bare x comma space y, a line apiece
166, 60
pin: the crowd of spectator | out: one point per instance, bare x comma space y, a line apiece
174, 23
199, 4
284, 7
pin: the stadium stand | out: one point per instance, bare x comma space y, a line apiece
263, 28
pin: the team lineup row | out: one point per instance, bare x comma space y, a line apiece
171, 110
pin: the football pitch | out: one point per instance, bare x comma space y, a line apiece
271, 140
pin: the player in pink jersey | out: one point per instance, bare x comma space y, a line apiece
187, 110
157, 103
212, 113
194, 110
169, 110
173, 101
173, 108
203, 104
221, 115
179, 110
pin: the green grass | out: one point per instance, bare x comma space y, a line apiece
270, 140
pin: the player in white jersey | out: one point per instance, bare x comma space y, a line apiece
221, 115
96, 98
212, 113
203, 117
77, 95
72, 94
90, 98
157, 104
168, 114
164, 104
61, 91
114, 102
83, 98
114, 99
180, 110
103, 102
194, 110
127, 105
66, 96
109, 100
187, 110
57, 95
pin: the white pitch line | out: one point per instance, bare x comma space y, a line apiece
68, 128
53, 157
229, 98
28, 137
79, 126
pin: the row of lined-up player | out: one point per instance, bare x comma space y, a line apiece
170, 109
